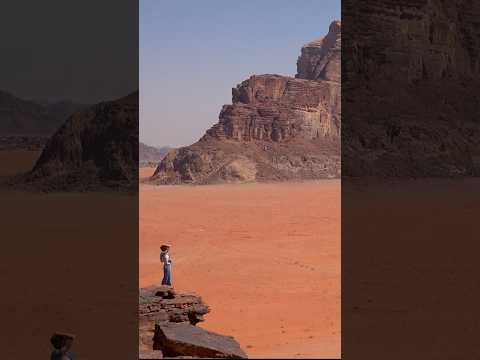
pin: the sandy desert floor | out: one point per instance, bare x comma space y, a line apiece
265, 257
67, 265
13, 162
409, 259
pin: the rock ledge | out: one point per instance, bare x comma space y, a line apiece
167, 322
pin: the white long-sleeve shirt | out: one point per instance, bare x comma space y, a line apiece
165, 258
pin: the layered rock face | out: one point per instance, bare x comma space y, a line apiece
411, 72
321, 59
277, 108
277, 128
163, 303
95, 148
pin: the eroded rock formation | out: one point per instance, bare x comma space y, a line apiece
95, 148
276, 108
164, 304
167, 322
277, 127
411, 73
321, 59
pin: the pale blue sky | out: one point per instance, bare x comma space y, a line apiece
193, 52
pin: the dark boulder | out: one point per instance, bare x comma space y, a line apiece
184, 339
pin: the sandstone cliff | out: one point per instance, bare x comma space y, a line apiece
321, 59
411, 72
277, 127
95, 148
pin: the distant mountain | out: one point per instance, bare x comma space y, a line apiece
150, 154
23, 117
95, 148
60, 111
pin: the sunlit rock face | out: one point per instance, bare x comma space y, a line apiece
321, 59
278, 128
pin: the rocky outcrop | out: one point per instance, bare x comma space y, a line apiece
277, 128
95, 148
321, 59
182, 339
163, 304
167, 322
411, 72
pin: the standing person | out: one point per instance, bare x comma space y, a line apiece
167, 265
62, 344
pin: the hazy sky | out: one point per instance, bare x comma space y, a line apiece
193, 52
85, 51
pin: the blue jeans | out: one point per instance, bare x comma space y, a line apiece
167, 274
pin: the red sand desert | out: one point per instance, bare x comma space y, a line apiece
264, 257
14, 162
58, 277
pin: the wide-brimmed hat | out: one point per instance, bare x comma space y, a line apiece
165, 247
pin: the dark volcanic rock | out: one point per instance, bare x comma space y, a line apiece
411, 75
277, 128
95, 148
183, 339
